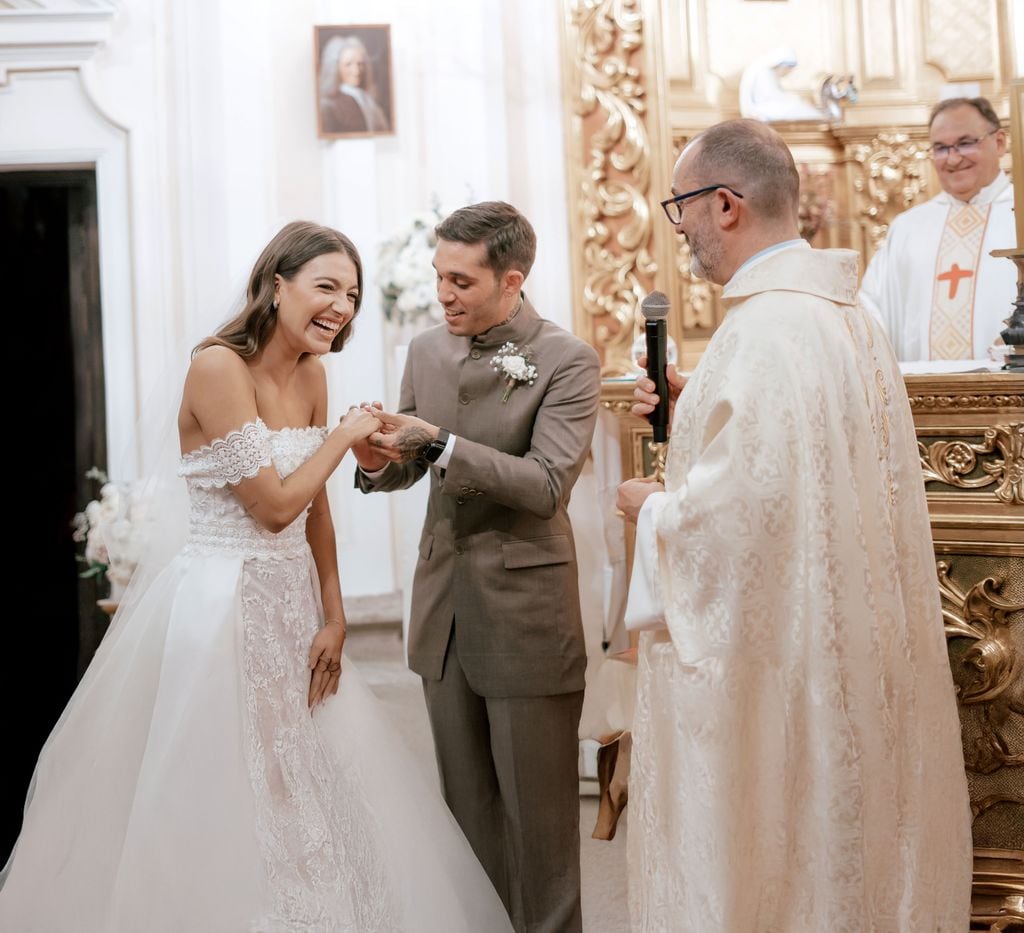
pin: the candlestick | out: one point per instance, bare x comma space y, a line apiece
1013, 335
1017, 154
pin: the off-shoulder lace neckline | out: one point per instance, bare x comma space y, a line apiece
258, 424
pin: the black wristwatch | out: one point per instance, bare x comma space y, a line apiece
430, 452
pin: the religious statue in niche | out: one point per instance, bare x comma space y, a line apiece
354, 87
762, 96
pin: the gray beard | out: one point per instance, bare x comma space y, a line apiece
704, 257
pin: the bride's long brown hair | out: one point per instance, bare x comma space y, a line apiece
295, 245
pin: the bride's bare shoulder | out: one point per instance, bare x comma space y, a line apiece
219, 396
215, 368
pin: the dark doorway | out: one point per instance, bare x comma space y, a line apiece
53, 324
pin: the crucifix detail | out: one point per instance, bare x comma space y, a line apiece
953, 275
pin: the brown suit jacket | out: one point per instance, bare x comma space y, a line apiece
497, 554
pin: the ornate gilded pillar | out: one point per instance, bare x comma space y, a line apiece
619, 168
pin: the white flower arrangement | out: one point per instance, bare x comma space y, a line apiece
405, 272
112, 529
514, 364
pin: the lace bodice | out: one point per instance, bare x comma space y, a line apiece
217, 521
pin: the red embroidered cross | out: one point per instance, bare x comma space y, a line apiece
953, 276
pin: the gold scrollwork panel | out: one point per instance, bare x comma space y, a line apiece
608, 67
983, 616
889, 173
991, 459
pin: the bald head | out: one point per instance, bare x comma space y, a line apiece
752, 158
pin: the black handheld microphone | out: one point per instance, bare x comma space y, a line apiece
655, 310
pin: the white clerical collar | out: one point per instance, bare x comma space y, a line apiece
763, 254
988, 194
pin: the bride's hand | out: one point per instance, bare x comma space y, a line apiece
325, 661
360, 422
368, 457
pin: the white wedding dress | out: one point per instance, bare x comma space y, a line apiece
187, 787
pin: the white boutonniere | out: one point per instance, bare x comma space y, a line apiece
514, 364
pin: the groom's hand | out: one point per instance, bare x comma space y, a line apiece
402, 437
367, 456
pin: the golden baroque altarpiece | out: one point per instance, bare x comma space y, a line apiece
642, 77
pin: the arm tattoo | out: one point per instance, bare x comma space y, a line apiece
410, 441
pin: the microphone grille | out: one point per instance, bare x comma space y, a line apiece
655, 306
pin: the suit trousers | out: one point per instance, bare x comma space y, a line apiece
510, 776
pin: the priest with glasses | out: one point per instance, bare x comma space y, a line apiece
933, 284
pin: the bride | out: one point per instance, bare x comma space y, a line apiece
209, 774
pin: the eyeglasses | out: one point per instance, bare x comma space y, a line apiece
673, 207
966, 147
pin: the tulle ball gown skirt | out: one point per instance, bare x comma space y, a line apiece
188, 788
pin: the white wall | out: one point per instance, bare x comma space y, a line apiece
200, 115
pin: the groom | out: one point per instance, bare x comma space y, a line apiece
498, 407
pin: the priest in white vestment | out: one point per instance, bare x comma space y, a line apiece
932, 283
797, 761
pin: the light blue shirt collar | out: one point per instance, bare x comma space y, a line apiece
768, 250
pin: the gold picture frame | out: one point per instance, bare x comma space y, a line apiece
353, 84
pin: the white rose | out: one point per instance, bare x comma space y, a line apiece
110, 502
408, 271
516, 367
424, 293
406, 302
81, 525
120, 572
93, 513
95, 549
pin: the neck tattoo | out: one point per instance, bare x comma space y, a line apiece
515, 311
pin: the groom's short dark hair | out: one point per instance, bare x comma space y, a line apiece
507, 234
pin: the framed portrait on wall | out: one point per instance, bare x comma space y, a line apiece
353, 81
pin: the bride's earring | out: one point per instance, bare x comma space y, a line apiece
276, 302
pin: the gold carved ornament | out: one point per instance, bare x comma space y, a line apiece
891, 175
698, 298
953, 462
993, 672
964, 402
613, 190
659, 456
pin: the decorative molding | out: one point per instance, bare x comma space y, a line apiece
616, 406
959, 46
890, 175
52, 35
659, 456
880, 29
992, 665
966, 402
953, 461
610, 175
65, 9
998, 895
993, 800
